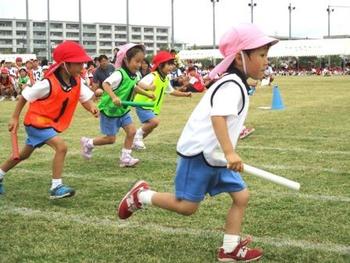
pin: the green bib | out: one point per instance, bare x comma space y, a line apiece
23, 80
124, 92
161, 86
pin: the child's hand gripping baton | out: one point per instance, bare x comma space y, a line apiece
14, 142
271, 177
137, 104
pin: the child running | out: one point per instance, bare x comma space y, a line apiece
52, 103
208, 161
120, 86
163, 64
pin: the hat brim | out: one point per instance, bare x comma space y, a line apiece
80, 59
261, 41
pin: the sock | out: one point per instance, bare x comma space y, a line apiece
90, 143
145, 197
126, 152
139, 133
2, 174
55, 183
230, 242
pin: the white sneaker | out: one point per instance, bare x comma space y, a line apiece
138, 144
2, 98
128, 161
86, 149
13, 98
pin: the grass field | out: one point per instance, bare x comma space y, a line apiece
307, 142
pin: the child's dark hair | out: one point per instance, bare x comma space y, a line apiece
133, 51
162, 65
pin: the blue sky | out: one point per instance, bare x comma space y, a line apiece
193, 18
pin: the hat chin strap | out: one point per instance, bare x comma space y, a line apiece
65, 67
244, 64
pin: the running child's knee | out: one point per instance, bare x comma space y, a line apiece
187, 210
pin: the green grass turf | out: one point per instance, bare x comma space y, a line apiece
307, 142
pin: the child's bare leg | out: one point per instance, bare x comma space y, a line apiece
149, 126
24, 154
235, 214
169, 202
103, 140
130, 131
60, 148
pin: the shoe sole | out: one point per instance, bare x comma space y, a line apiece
247, 134
138, 183
52, 197
233, 260
135, 147
123, 165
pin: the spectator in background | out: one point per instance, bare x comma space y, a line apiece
29, 67
7, 85
23, 80
115, 52
37, 71
104, 70
90, 67
145, 68
195, 82
19, 63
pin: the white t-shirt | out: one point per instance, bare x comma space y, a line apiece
149, 78
229, 99
115, 78
41, 89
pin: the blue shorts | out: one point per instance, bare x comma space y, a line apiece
110, 125
38, 137
195, 178
144, 115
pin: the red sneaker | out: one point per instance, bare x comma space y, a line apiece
241, 253
246, 132
130, 202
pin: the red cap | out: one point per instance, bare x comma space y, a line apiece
161, 57
5, 71
68, 51
19, 59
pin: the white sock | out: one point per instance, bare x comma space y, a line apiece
126, 152
139, 133
2, 174
55, 183
145, 197
90, 143
230, 242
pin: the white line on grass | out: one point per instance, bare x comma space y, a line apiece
167, 183
105, 222
267, 148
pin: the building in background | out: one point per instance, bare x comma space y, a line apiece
98, 38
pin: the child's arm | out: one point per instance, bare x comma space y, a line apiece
143, 92
234, 161
108, 88
91, 107
13, 123
144, 86
179, 93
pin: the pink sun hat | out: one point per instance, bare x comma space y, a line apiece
242, 37
122, 53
